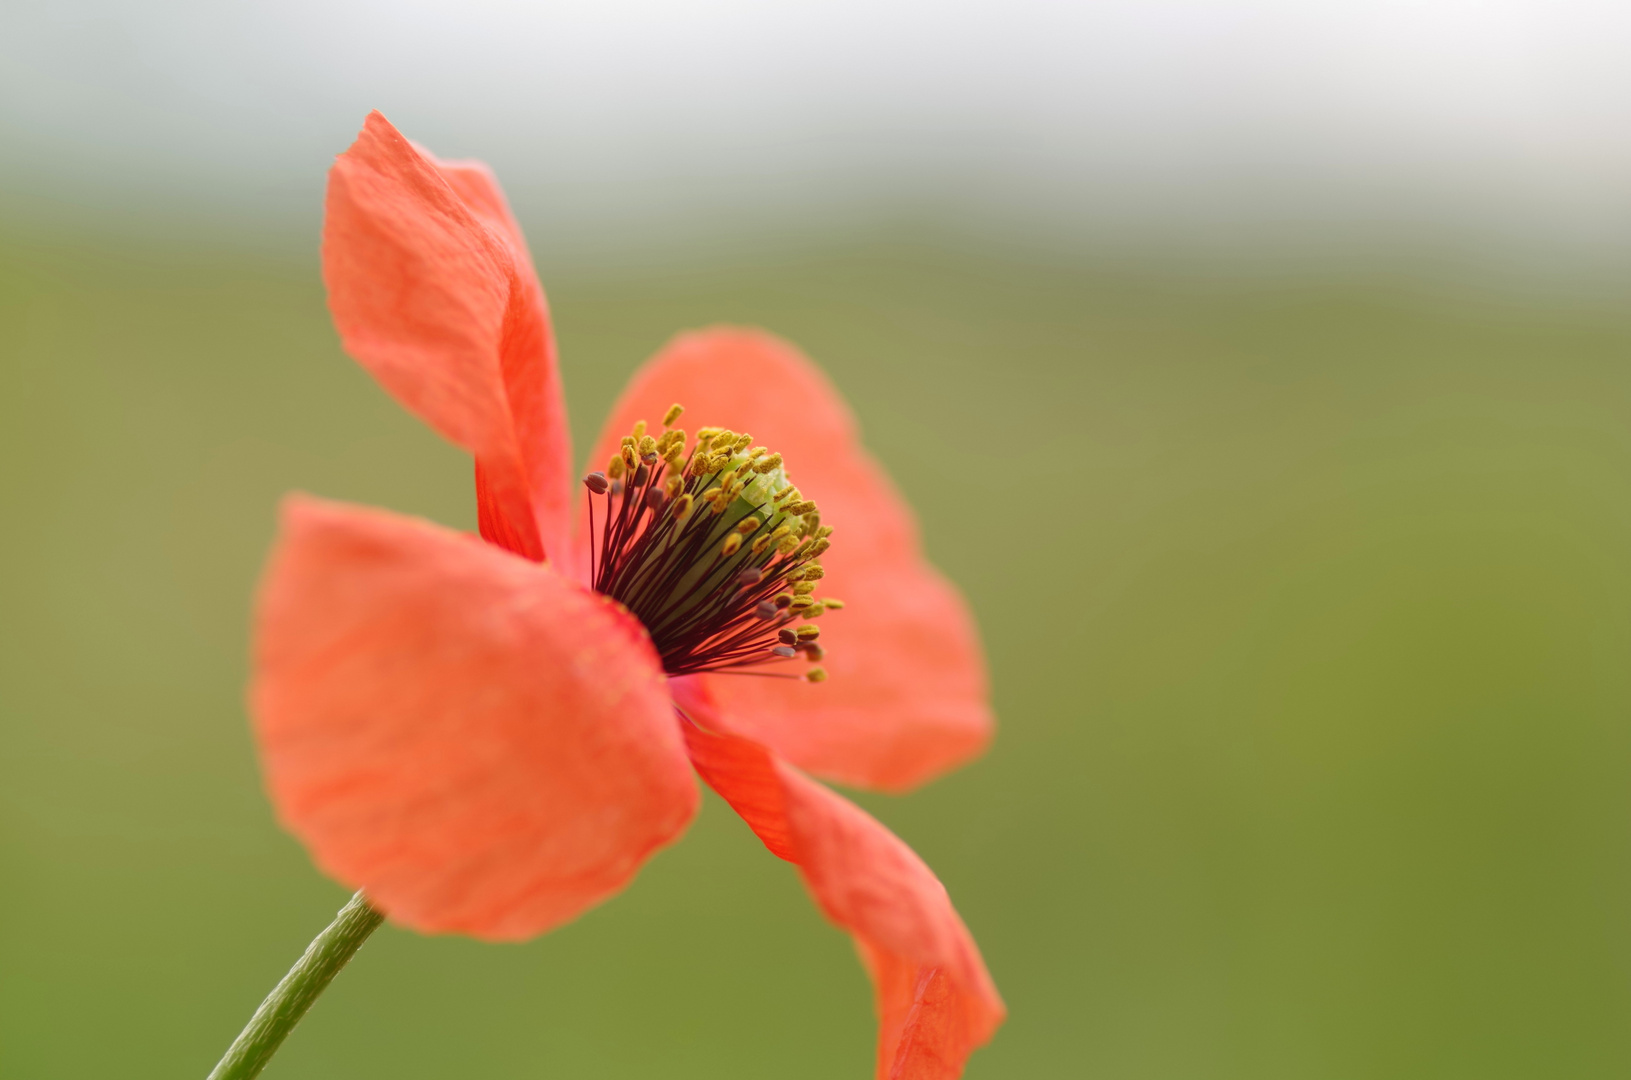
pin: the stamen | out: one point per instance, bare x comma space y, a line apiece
716, 591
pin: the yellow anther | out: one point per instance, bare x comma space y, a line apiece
836, 605
760, 544
799, 603
788, 545
799, 509
781, 531
814, 609
817, 548
724, 438
823, 532
804, 588
764, 465
758, 452
808, 633
674, 486
748, 525
733, 544
788, 492
682, 507
727, 479
648, 446
782, 599
816, 674
614, 467
743, 441
812, 573
814, 652
639, 429
672, 414
629, 440
708, 432
630, 458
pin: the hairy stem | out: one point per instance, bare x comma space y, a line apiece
290, 999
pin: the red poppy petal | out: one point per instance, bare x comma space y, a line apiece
433, 292
532, 377
475, 740
907, 698
935, 1000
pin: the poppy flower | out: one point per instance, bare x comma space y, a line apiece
490, 735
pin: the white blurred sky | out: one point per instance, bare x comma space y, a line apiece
1506, 120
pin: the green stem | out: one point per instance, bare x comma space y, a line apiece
290, 999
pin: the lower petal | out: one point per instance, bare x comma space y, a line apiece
477, 742
936, 1002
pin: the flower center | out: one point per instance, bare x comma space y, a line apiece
712, 548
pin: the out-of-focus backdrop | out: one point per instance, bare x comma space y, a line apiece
1261, 370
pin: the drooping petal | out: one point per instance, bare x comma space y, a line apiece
935, 1000
475, 740
433, 291
907, 698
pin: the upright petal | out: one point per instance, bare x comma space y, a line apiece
472, 738
432, 290
936, 1002
532, 377
907, 698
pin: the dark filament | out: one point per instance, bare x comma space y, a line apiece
709, 603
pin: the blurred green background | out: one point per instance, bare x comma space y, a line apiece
1308, 608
